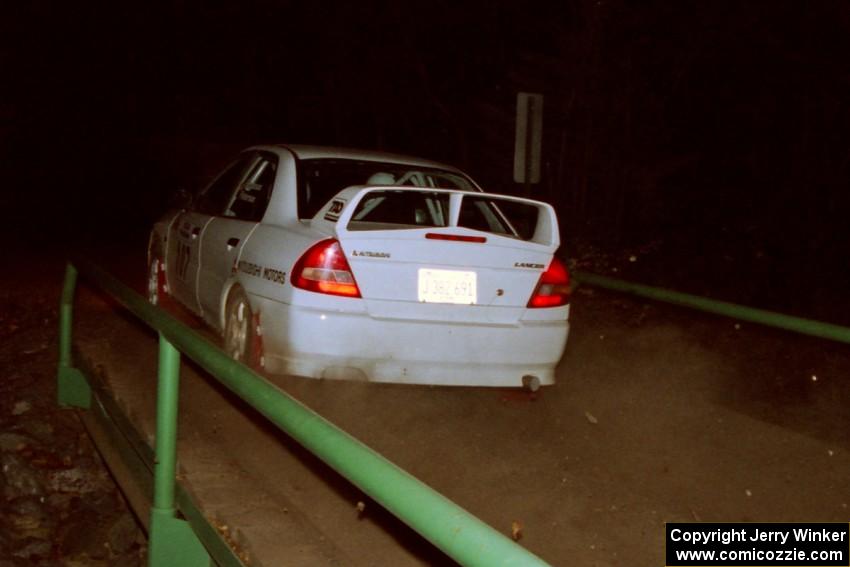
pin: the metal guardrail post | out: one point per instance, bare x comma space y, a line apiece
72, 388
171, 540
166, 426
733, 310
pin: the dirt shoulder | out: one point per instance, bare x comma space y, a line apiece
58, 504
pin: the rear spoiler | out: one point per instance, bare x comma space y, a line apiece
334, 217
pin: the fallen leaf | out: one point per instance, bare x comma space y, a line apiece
591, 418
21, 407
516, 530
41, 348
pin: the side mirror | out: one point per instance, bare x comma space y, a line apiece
181, 199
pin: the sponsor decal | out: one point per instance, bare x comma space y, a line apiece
370, 254
528, 265
275, 276
249, 268
336, 207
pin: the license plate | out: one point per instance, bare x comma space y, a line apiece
447, 286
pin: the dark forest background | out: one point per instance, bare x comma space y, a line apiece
703, 146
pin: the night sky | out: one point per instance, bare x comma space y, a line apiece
715, 133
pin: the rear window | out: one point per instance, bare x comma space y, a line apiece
320, 179
499, 216
400, 210
384, 210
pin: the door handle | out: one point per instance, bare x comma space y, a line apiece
196, 230
232, 242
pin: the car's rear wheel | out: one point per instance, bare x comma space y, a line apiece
239, 328
156, 281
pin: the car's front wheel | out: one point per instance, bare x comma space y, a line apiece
156, 281
239, 328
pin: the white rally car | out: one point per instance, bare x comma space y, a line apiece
333, 263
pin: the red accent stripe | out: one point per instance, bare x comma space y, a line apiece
455, 237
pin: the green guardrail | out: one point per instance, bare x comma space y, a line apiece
733, 310
456, 532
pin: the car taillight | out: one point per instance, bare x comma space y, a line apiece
324, 269
553, 289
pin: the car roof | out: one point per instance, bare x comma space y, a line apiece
329, 152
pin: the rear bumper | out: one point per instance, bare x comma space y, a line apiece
321, 344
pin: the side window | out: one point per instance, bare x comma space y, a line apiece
252, 198
215, 199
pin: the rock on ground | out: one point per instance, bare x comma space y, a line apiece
58, 504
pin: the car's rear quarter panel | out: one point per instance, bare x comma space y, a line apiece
266, 262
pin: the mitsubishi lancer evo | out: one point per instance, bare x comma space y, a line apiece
333, 263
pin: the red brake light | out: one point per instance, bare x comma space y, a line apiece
553, 289
455, 237
324, 269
